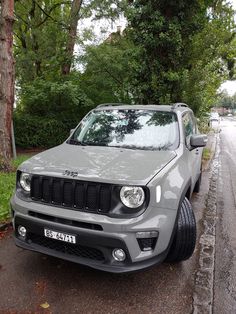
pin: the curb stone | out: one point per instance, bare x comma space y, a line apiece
211, 145
204, 275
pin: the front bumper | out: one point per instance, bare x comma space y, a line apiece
94, 247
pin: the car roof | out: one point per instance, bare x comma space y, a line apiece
170, 108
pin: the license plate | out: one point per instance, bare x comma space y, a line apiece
61, 236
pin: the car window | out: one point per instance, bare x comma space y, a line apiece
214, 115
140, 129
189, 127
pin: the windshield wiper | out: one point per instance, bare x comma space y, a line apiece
125, 146
95, 144
76, 142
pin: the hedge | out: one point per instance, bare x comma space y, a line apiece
47, 110
34, 131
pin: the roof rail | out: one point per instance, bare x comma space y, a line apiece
179, 104
111, 104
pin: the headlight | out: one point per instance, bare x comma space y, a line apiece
25, 181
132, 196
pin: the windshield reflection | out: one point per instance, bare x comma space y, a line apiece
132, 129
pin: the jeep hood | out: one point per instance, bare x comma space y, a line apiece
101, 164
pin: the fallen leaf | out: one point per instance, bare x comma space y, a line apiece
45, 305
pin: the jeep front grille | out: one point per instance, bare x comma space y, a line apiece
74, 194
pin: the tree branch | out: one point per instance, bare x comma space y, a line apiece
107, 71
47, 14
20, 18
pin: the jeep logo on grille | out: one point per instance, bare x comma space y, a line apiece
69, 173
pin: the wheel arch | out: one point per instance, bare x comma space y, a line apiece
186, 192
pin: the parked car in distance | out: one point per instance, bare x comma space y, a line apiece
116, 194
214, 116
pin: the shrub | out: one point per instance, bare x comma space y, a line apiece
35, 131
60, 99
47, 111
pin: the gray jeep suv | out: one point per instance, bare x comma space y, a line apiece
115, 195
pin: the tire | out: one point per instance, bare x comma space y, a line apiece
198, 184
184, 240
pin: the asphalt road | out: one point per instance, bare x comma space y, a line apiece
31, 280
225, 254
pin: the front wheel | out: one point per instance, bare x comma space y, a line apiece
185, 236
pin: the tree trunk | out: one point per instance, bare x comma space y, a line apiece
74, 18
6, 81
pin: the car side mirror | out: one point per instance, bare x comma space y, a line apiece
71, 131
198, 140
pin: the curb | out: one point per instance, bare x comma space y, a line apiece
204, 275
211, 145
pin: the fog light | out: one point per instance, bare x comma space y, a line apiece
119, 255
22, 231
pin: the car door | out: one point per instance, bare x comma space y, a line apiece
193, 155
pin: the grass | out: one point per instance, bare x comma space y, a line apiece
7, 185
206, 153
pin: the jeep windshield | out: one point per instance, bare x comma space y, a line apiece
128, 128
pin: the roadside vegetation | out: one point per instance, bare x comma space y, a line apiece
7, 185
203, 125
206, 154
226, 103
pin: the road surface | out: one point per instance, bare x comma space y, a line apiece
225, 254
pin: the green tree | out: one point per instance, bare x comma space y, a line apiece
40, 34
49, 90
182, 49
46, 33
108, 69
207, 58
226, 101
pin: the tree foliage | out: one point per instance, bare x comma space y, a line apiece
184, 48
47, 111
226, 101
45, 35
40, 35
108, 69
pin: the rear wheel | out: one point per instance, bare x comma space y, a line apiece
185, 236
